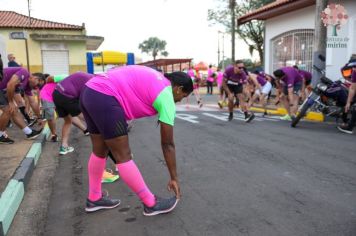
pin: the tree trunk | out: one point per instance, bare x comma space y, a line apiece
319, 47
261, 54
233, 29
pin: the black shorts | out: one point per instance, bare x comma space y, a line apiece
107, 119
307, 82
3, 99
65, 106
235, 89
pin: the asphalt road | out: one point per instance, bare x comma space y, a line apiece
262, 178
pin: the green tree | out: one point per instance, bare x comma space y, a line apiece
154, 46
251, 32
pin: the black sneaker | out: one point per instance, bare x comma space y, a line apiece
103, 203
162, 206
86, 132
231, 116
265, 114
345, 129
34, 134
54, 138
249, 118
6, 140
31, 122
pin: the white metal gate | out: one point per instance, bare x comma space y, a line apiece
293, 48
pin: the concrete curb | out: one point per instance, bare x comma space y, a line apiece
14, 192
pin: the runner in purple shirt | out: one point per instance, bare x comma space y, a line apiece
306, 85
262, 89
13, 81
291, 84
66, 99
235, 79
348, 128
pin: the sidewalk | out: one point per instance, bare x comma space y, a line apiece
17, 162
12, 154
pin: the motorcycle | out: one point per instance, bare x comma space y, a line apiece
328, 97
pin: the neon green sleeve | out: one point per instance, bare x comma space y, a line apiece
59, 78
165, 106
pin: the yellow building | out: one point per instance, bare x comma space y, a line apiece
53, 48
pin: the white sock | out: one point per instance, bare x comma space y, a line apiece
27, 130
2, 133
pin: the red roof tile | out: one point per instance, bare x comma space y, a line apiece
262, 13
10, 19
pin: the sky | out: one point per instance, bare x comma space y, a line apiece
182, 24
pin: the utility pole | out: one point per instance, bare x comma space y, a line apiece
232, 5
218, 48
27, 35
320, 37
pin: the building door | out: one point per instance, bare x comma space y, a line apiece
55, 62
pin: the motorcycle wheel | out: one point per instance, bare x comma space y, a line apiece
301, 114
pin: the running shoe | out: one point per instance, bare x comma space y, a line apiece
286, 117
54, 138
6, 140
162, 206
265, 114
65, 150
345, 129
249, 118
31, 122
103, 203
34, 134
109, 176
231, 116
86, 132
200, 104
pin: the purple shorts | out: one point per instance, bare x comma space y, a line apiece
103, 114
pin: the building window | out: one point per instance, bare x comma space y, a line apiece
293, 48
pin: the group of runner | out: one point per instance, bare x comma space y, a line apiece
105, 102
100, 106
243, 88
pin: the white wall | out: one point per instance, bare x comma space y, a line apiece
3, 51
301, 19
304, 19
337, 57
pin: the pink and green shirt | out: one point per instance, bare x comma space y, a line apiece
140, 90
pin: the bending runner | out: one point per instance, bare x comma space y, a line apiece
306, 85
234, 80
348, 128
127, 93
47, 87
290, 83
15, 79
263, 88
66, 99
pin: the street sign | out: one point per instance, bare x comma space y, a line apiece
17, 35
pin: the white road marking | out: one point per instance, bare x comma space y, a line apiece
219, 117
188, 117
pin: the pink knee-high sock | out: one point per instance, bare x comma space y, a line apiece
96, 167
131, 175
